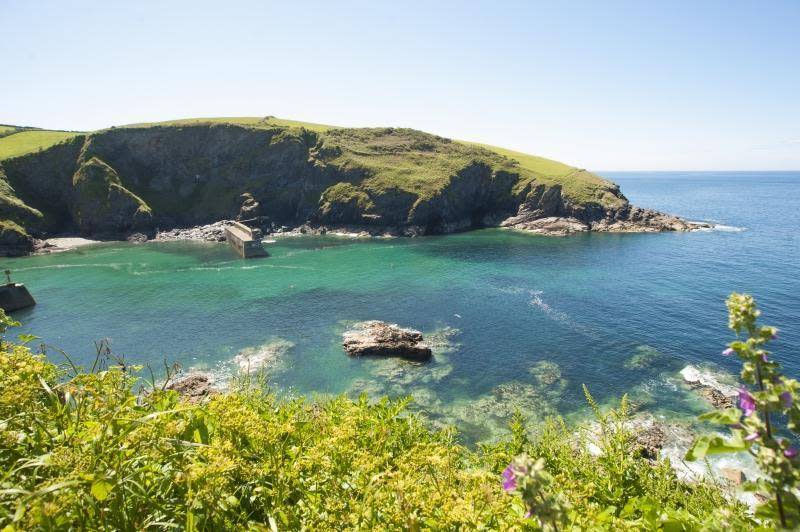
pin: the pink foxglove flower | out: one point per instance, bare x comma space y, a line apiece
747, 402
509, 482
786, 399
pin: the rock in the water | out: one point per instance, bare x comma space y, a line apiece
551, 225
376, 338
709, 387
14, 296
194, 387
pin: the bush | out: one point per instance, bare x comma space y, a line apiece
82, 450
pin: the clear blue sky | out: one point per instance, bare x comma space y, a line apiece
602, 85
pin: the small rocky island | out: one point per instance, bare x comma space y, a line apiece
157, 180
377, 338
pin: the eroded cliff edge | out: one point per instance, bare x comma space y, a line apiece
136, 179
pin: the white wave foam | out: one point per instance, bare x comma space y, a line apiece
706, 377
720, 227
729, 228
110, 265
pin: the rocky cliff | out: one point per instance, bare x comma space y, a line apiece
113, 182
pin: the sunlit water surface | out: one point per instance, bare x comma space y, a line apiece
517, 321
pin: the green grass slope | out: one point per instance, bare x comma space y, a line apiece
251, 121
415, 170
24, 141
420, 169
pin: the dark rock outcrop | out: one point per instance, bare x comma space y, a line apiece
376, 338
14, 296
194, 387
14, 241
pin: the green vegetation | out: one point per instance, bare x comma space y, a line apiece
424, 164
7, 226
754, 425
196, 171
83, 450
31, 140
416, 162
577, 183
251, 121
7, 130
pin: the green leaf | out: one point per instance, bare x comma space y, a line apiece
25, 338
729, 416
708, 445
101, 489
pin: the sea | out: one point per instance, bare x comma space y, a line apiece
517, 322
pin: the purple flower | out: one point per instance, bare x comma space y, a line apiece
791, 452
774, 335
509, 482
728, 352
752, 436
746, 402
786, 399
764, 357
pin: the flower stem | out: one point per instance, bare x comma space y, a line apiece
778, 498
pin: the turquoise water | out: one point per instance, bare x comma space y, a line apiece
517, 320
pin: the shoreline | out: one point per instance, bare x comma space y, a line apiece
60, 244
569, 221
214, 232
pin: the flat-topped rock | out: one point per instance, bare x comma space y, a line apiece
377, 338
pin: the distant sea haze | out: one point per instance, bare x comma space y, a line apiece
515, 319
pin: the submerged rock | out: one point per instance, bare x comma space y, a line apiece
268, 355
546, 373
194, 387
377, 338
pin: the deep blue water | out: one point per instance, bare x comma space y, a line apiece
506, 307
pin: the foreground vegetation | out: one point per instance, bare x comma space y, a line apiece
102, 449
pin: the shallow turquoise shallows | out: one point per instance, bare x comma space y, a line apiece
516, 321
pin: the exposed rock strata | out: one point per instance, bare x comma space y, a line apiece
376, 338
545, 211
214, 232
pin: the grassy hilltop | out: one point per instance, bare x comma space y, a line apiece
16, 141
195, 171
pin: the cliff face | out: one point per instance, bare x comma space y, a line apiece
115, 181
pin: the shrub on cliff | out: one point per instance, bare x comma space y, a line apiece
83, 450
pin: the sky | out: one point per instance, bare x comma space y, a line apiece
698, 85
